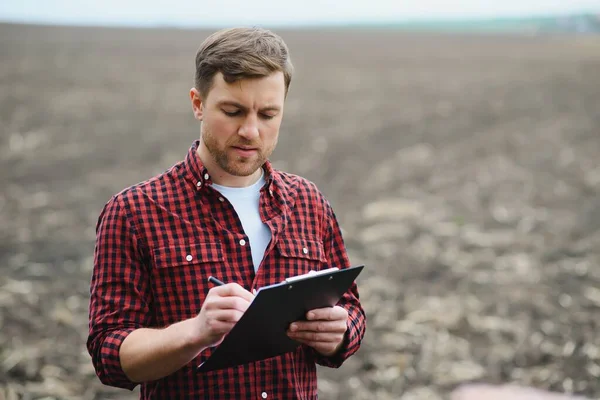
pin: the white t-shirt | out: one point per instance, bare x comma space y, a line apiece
245, 201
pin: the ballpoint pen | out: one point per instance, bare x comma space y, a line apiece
215, 281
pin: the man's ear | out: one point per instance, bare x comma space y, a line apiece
196, 100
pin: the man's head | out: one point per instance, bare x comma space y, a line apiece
241, 53
242, 79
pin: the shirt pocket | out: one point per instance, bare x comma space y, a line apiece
179, 278
298, 255
182, 254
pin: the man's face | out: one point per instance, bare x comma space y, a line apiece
240, 125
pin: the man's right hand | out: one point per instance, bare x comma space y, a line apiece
222, 308
148, 354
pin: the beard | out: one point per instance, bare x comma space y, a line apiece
232, 163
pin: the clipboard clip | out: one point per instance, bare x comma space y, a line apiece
310, 275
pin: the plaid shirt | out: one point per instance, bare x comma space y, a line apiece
158, 241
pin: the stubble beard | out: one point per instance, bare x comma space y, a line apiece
231, 163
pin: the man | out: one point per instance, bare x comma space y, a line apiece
223, 211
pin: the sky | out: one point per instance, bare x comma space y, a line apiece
200, 13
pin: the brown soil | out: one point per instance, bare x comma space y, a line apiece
464, 170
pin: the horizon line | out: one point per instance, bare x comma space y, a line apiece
305, 24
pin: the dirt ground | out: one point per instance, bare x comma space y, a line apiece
464, 169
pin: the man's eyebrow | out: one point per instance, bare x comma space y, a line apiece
243, 108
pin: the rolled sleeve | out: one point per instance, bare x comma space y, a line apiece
105, 357
120, 293
356, 324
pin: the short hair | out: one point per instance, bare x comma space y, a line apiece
240, 53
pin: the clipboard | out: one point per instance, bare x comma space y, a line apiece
261, 332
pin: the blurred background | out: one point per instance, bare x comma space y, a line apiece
459, 143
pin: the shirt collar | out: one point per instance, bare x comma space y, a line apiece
198, 175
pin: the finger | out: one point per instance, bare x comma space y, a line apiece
323, 347
328, 313
316, 337
229, 316
319, 326
228, 303
233, 289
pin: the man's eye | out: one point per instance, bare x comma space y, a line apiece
232, 113
267, 116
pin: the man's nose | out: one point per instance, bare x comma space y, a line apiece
249, 128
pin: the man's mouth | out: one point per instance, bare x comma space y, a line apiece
245, 150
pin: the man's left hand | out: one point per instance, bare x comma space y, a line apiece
324, 331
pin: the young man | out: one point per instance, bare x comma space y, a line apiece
223, 211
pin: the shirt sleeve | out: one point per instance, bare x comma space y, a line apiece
120, 293
338, 256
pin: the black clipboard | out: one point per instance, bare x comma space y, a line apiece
261, 332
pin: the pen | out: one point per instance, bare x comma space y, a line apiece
215, 281
220, 283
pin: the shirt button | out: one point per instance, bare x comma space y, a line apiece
199, 183
242, 242
305, 250
189, 257
221, 199
264, 395
271, 192
206, 176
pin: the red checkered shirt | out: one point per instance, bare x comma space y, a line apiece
159, 240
